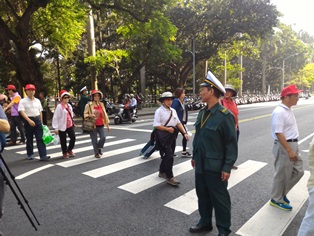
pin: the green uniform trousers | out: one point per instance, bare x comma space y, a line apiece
212, 194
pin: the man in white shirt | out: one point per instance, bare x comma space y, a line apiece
31, 110
288, 162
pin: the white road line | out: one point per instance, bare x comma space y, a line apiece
83, 149
149, 181
307, 137
187, 203
139, 124
106, 170
130, 129
35, 144
91, 158
270, 220
34, 171
51, 147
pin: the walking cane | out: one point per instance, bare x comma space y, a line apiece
20, 203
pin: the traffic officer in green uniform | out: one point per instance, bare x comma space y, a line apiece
215, 150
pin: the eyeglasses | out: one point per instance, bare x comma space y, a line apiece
66, 97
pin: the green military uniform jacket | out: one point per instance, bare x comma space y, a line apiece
82, 103
215, 145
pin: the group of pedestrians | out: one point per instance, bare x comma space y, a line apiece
215, 151
215, 145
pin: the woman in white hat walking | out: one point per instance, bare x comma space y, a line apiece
166, 121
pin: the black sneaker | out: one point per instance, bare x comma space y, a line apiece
186, 155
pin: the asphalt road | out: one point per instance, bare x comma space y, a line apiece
120, 194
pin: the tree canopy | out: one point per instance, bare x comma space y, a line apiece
43, 41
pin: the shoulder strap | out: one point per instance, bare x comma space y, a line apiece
67, 108
169, 118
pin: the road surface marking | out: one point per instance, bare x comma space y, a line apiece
102, 171
152, 180
272, 221
91, 158
187, 203
51, 147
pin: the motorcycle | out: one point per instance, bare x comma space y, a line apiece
120, 116
110, 109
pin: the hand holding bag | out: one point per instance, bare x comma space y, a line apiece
89, 124
47, 136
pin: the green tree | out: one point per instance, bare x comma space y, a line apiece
49, 23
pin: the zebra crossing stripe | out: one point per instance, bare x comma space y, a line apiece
130, 129
51, 147
83, 149
152, 180
82, 160
35, 144
106, 170
270, 220
187, 203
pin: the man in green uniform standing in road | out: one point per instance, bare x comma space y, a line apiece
215, 150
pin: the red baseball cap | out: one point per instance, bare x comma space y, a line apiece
11, 87
291, 89
30, 86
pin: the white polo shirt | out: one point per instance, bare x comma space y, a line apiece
31, 108
162, 115
283, 121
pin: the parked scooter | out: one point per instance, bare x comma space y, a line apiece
120, 117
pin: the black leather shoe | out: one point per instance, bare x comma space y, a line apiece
200, 228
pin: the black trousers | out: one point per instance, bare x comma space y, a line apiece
16, 121
63, 139
164, 142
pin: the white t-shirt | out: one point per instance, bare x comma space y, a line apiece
30, 107
162, 115
283, 121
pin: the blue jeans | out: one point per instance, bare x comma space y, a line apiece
102, 138
36, 130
